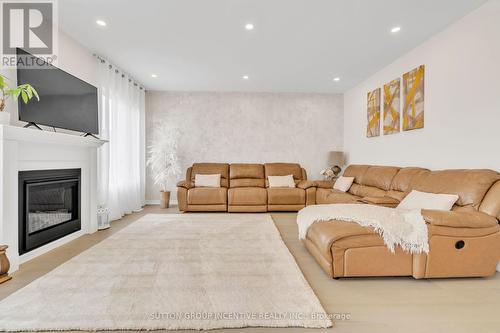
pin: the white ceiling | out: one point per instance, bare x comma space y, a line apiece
296, 46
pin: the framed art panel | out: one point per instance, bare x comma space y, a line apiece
413, 96
373, 113
392, 106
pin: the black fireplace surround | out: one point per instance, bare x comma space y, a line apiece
49, 206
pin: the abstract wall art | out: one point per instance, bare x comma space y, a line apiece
392, 106
373, 113
413, 96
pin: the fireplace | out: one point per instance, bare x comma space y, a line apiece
49, 206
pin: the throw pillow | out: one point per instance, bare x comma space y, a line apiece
343, 184
423, 200
207, 180
281, 181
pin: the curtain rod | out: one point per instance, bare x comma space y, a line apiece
119, 70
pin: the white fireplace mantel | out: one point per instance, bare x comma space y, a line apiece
23, 149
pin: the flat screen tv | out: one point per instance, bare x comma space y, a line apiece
65, 101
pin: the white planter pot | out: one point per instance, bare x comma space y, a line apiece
4, 118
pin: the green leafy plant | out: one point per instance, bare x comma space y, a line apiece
25, 91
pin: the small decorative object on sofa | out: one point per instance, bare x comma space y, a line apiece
336, 161
281, 181
423, 200
25, 91
163, 159
343, 184
207, 180
4, 265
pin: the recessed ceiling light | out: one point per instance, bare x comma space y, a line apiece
249, 26
154, 75
101, 23
245, 77
395, 29
337, 79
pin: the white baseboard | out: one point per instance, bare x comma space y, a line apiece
157, 202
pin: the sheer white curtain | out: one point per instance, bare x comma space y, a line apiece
122, 160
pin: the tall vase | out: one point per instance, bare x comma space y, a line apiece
4, 265
164, 199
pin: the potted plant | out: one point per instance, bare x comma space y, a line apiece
163, 159
25, 91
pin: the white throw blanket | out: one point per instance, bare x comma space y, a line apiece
397, 227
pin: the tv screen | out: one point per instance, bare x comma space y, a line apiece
65, 100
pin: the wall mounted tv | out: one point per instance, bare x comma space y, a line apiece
65, 101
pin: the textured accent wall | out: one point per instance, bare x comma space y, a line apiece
248, 127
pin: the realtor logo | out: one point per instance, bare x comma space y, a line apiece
28, 25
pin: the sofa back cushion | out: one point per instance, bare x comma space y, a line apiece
402, 183
491, 202
210, 169
356, 171
470, 185
246, 175
370, 180
380, 176
284, 169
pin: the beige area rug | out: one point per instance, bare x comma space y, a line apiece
189, 271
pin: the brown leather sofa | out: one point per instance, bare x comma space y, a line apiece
244, 188
463, 242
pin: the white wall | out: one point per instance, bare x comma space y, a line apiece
73, 58
248, 127
462, 101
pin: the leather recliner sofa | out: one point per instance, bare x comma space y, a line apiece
244, 188
463, 242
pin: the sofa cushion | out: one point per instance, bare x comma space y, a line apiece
458, 219
343, 184
470, 185
210, 169
283, 169
366, 191
326, 196
379, 176
247, 196
423, 200
491, 202
281, 181
356, 171
246, 175
286, 196
402, 182
207, 180
246, 170
324, 234
207, 196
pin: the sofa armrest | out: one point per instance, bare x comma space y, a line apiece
305, 184
459, 219
186, 184
328, 184
382, 201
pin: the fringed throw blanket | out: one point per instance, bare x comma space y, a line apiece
397, 227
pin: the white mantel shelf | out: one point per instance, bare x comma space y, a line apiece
24, 149
14, 133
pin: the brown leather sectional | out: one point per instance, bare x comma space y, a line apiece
463, 242
244, 188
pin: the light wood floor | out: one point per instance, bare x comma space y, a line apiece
374, 304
